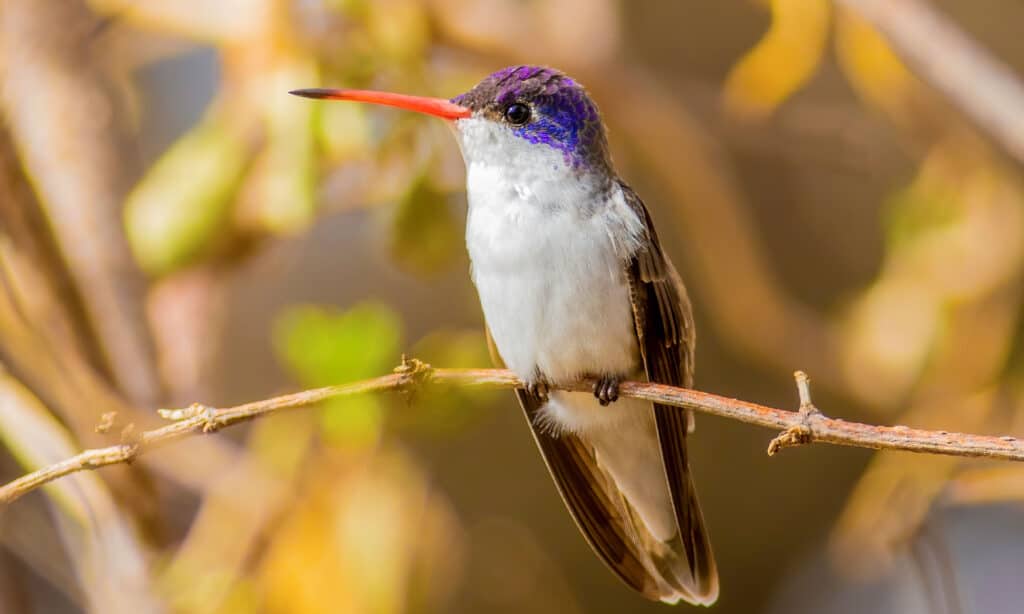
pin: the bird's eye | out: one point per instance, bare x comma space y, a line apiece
517, 113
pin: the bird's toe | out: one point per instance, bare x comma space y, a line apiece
538, 388
606, 389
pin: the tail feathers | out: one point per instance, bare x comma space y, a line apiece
696, 569
683, 567
660, 513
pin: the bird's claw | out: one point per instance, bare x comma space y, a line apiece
606, 389
538, 388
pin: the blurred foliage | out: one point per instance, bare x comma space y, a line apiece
280, 194
782, 61
270, 519
169, 221
872, 68
101, 543
446, 412
425, 233
323, 348
37, 439
343, 131
912, 212
360, 539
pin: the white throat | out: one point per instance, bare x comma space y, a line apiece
535, 173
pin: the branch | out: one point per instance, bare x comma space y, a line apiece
981, 86
798, 427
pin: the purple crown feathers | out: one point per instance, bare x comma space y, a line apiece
564, 117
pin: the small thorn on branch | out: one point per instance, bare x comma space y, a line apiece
107, 421
415, 374
800, 433
803, 388
196, 410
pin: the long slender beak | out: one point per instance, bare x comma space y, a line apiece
438, 107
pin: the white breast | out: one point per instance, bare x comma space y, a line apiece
548, 248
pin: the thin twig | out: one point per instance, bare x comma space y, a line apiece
798, 427
801, 432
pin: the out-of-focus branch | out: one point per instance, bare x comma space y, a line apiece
43, 340
798, 427
978, 84
71, 133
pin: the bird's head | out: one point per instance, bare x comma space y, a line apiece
510, 114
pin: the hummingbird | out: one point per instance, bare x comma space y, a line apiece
573, 284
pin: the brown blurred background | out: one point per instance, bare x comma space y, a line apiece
175, 228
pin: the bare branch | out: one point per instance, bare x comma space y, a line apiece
798, 427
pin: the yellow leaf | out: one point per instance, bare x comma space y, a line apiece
870, 65
782, 61
355, 537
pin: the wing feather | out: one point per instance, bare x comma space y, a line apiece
664, 325
600, 511
603, 516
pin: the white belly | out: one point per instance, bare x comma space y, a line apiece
548, 246
548, 263
552, 284
553, 292
557, 304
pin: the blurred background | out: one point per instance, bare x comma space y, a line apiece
831, 178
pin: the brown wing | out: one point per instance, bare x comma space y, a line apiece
664, 326
598, 508
600, 511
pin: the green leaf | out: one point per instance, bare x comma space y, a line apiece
917, 210
182, 203
320, 347
353, 422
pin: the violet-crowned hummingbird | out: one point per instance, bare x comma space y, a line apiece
574, 283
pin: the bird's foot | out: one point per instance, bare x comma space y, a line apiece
606, 389
538, 387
